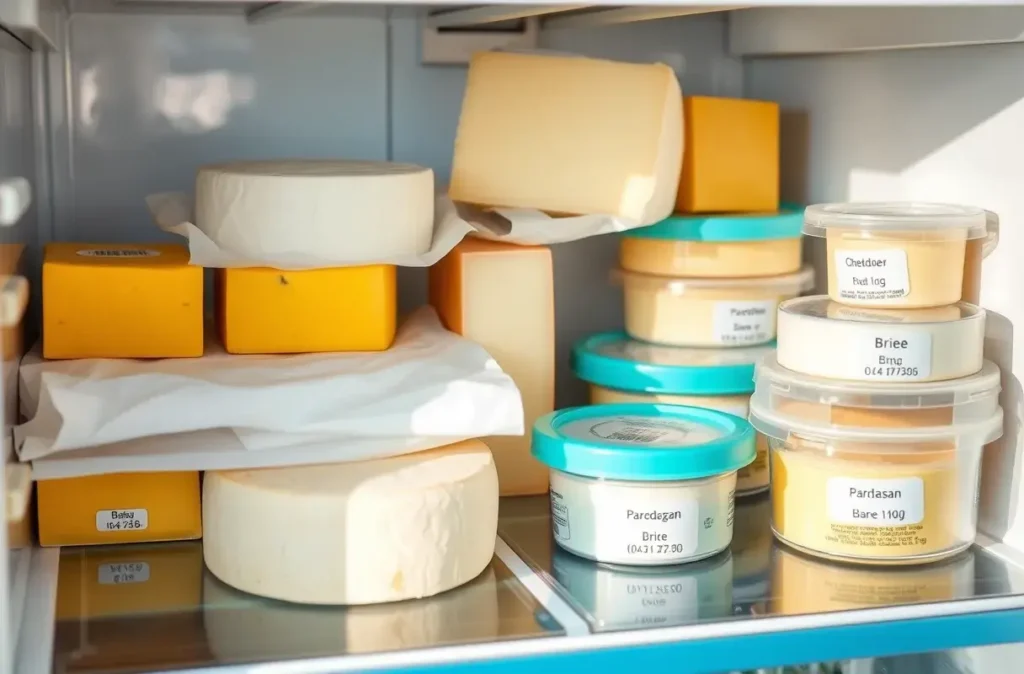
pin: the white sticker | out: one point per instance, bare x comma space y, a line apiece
872, 276
738, 323
123, 574
127, 519
647, 529
119, 252
559, 517
893, 355
637, 430
875, 503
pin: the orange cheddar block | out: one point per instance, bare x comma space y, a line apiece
731, 161
263, 310
129, 580
501, 296
119, 508
121, 301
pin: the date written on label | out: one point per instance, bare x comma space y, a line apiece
126, 519
655, 548
123, 574
905, 357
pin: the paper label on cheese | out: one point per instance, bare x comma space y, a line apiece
126, 519
872, 276
120, 253
123, 573
636, 430
748, 322
892, 355
892, 502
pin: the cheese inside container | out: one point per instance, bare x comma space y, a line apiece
707, 312
716, 246
875, 491
622, 370
642, 484
819, 337
906, 255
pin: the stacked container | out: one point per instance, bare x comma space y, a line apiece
878, 402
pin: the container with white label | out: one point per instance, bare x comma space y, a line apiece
898, 255
642, 484
823, 338
620, 369
707, 312
716, 245
880, 494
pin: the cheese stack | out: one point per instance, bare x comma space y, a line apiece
878, 402
120, 301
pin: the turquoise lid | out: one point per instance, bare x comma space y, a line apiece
614, 360
643, 442
788, 223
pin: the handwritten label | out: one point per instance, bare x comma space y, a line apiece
872, 276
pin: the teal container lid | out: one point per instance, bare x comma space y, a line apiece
615, 360
643, 442
788, 223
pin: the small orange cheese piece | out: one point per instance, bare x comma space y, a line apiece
121, 301
119, 508
264, 310
731, 160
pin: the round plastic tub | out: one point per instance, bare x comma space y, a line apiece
873, 494
624, 597
716, 246
826, 339
622, 370
906, 255
707, 312
642, 484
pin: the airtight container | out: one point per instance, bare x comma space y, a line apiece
622, 370
905, 255
630, 597
642, 484
826, 339
875, 494
706, 312
716, 246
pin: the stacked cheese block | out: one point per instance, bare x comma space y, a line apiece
701, 287
878, 403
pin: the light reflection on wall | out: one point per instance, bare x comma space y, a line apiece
198, 103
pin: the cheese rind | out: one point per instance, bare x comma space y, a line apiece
121, 301
569, 135
501, 296
363, 532
263, 310
358, 211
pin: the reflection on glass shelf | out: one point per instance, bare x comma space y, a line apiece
143, 608
758, 577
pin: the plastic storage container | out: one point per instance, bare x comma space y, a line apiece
622, 370
642, 484
716, 246
707, 312
824, 338
874, 494
907, 255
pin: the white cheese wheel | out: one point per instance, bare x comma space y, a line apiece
355, 211
363, 532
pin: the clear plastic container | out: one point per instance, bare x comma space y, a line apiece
872, 494
716, 246
623, 370
707, 312
819, 337
907, 255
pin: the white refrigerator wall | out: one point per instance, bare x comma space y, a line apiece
930, 124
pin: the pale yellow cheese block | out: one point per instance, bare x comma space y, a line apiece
501, 296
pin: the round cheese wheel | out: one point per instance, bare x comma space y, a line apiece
363, 532
347, 211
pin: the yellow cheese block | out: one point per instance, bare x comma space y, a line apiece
119, 508
263, 310
121, 301
129, 580
501, 296
731, 164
